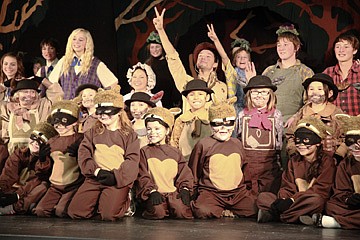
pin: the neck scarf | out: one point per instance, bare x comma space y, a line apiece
259, 118
22, 114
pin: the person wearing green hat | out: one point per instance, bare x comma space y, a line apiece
288, 73
164, 81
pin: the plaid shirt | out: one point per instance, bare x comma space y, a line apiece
349, 99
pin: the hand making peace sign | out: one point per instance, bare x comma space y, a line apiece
158, 21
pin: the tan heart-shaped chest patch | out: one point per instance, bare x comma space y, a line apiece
163, 172
109, 158
65, 170
225, 171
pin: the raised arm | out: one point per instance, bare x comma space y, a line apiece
159, 26
212, 35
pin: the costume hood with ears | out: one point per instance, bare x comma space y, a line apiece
163, 114
221, 110
350, 124
109, 98
315, 125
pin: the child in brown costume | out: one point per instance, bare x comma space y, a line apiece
306, 183
109, 160
260, 129
165, 180
320, 93
216, 163
23, 182
60, 154
193, 124
343, 208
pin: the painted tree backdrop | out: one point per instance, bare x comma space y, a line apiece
120, 27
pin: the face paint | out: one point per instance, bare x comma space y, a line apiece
107, 110
351, 139
306, 137
156, 132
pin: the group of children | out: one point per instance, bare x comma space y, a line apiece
99, 154
191, 167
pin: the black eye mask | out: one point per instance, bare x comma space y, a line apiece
351, 139
63, 119
108, 110
226, 123
306, 136
36, 139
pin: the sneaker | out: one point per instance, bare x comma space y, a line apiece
8, 210
264, 216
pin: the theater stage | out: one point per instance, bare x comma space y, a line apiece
31, 227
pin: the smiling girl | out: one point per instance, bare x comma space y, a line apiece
109, 160
260, 129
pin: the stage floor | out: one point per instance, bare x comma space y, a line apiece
31, 227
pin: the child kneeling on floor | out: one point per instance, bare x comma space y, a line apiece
165, 179
217, 165
60, 156
109, 160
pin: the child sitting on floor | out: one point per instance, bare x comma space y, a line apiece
216, 163
306, 183
23, 182
343, 208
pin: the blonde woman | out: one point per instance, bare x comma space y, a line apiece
79, 66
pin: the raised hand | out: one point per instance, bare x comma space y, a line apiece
250, 71
158, 21
211, 33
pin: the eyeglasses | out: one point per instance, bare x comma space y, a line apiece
263, 93
228, 123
